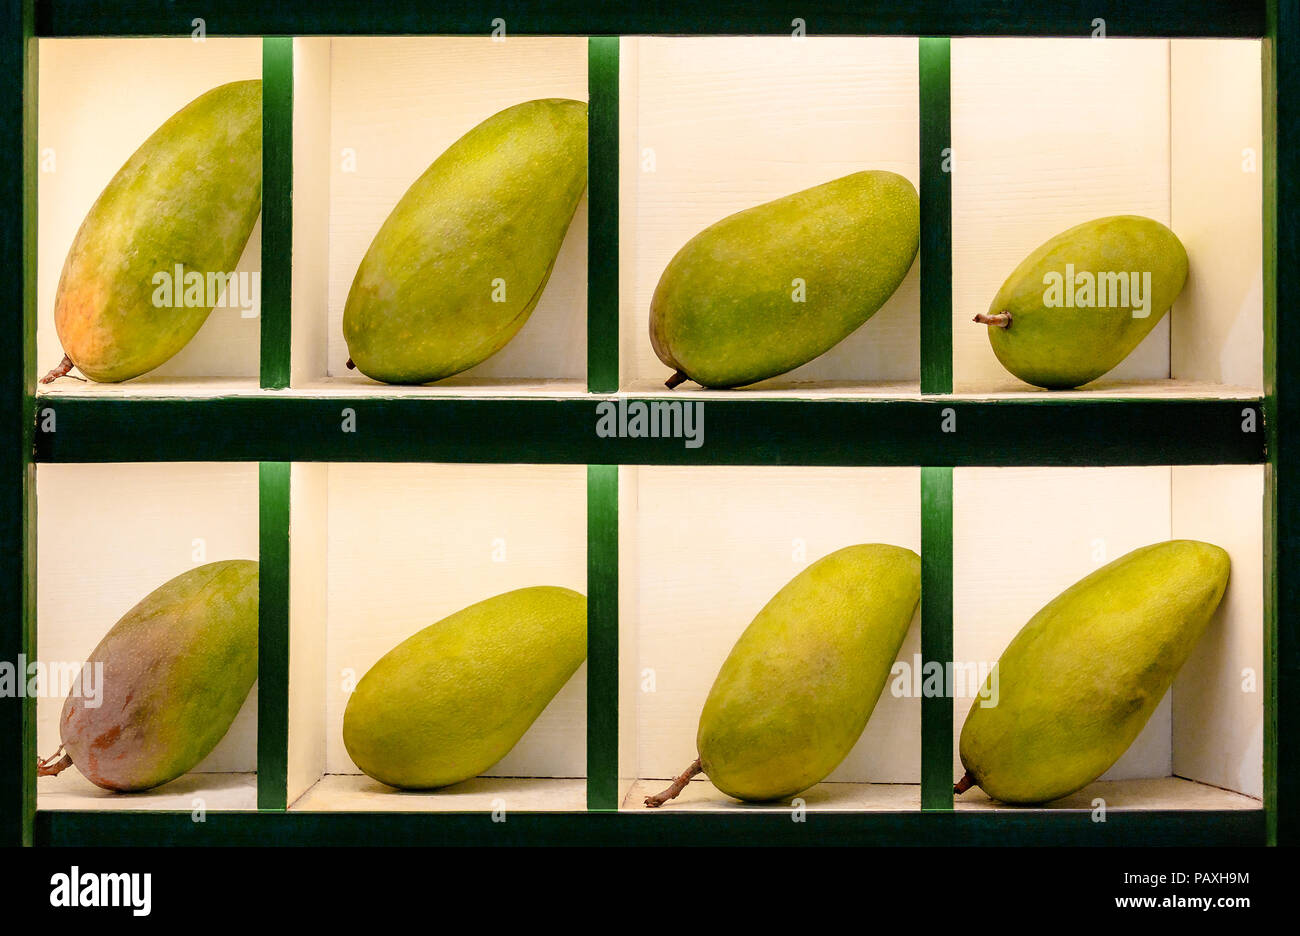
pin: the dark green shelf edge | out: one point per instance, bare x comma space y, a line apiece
936, 216
936, 634
663, 827
273, 427
277, 211
18, 71
1208, 18
602, 214
1280, 62
273, 635
602, 637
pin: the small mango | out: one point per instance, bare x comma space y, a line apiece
185, 202
1080, 303
176, 670
772, 287
794, 694
452, 700
459, 265
1081, 679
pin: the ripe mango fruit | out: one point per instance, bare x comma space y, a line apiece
188, 197
794, 694
1080, 680
1057, 334
458, 266
452, 700
176, 670
772, 287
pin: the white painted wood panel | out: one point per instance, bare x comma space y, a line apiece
311, 209
1047, 134
1024, 535
396, 103
99, 100
1218, 716
410, 544
711, 126
308, 614
1217, 324
108, 535
1021, 536
712, 546
629, 658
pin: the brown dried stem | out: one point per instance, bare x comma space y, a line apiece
677, 786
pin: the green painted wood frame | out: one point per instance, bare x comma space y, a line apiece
277, 429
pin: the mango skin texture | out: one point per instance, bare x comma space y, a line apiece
452, 700
1061, 348
177, 668
724, 311
1080, 680
797, 689
189, 195
494, 207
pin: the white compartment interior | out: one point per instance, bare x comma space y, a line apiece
1049, 133
370, 115
377, 553
1023, 535
108, 535
712, 126
701, 551
99, 100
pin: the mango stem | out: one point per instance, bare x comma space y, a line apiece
49, 768
677, 786
61, 371
675, 379
1001, 319
351, 366
964, 784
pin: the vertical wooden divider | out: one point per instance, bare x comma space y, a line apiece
18, 73
602, 214
273, 637
277, 209
936, 634
602, 637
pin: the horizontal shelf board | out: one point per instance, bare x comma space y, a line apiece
361, 386
780, 389
219, 792
1012, 389
654, 827
703, 796
150, 388
286, 426
585, 17
359, 793
1156, 793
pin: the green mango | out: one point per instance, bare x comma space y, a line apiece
1081, 679
458, 266
794, 694
188, 197
1057, 337
176, 670
452, 700
728, 310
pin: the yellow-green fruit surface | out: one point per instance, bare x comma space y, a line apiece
772, 287
797, 689
451, 701
458, 266
176, 670
1080, 680
1059, 347
188, 197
